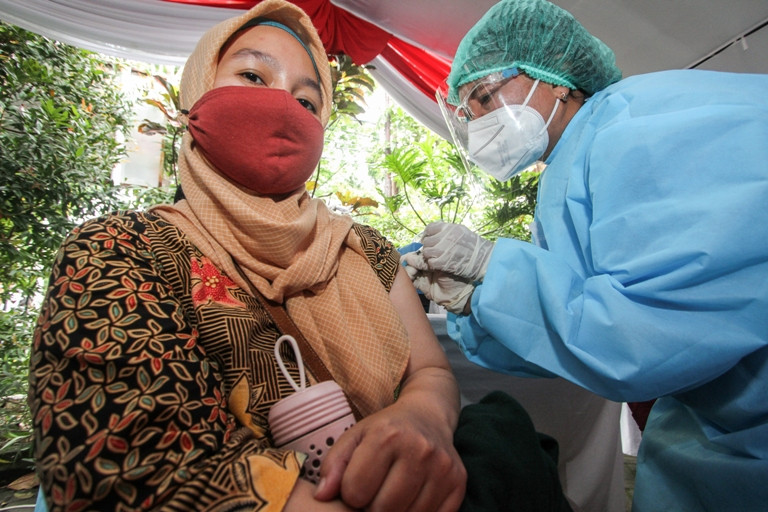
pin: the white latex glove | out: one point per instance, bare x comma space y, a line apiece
449, 291
454, 249
413, 261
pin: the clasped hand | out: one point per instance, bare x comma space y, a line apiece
451, 260
449, 291
394, 460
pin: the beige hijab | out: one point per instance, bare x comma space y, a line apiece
293, 250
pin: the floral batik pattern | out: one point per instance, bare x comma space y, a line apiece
152, 374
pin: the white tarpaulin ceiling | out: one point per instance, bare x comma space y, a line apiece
647, 35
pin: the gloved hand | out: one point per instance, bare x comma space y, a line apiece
445, 289
454, 249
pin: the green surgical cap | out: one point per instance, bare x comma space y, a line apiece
539, 38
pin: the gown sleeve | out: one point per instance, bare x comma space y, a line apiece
654, 280
129, 413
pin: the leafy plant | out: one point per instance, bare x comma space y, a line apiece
428, 181
351, 84
61, 110
15, 427
511, 205
171, 131
355, 203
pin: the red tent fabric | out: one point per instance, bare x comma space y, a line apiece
409, 43
425, 70
343, 32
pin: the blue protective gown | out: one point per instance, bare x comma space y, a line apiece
651, 280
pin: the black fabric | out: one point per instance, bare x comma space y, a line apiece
510, 467
179, 195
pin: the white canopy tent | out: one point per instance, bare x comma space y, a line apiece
646, 36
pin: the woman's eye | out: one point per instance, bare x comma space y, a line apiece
307, 105
252, 77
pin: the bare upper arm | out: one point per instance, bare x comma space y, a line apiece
425, 349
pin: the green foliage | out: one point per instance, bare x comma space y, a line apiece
510, 205
16, 329
171, 131
428, 181
351, 85
60, 114
60, 111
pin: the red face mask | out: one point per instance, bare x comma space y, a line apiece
260, 138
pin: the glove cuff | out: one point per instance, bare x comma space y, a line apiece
459, 301
485, 251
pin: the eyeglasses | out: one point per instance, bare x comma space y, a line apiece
482, 97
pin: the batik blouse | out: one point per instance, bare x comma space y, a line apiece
152, 375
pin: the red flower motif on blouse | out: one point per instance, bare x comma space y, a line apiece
210, 285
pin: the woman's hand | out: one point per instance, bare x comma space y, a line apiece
302, 500
402, 457
399, 459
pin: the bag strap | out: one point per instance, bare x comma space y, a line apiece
286, 325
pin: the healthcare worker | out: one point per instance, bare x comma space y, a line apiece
649, 272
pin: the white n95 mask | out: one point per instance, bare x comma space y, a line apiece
509, 139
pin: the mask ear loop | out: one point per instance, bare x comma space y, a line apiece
299, 360
554, 110
552, 115
530, 93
